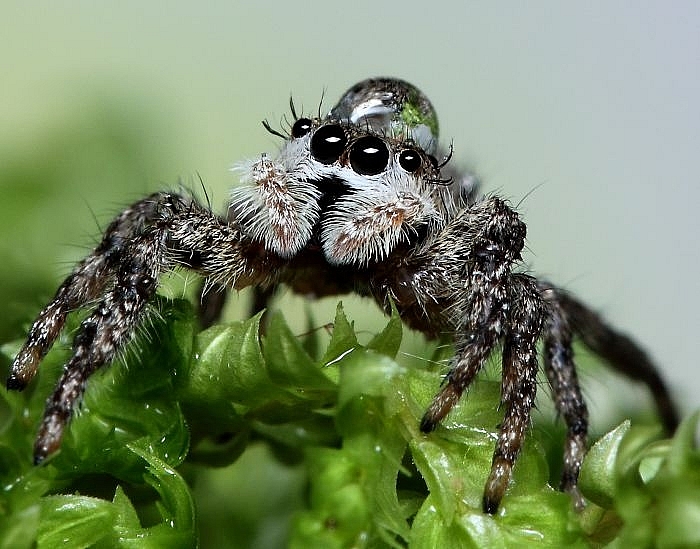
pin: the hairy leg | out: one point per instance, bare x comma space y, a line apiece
566, 392
498, 305
100, 335
519, 386
154, 235
621, 352
84, 284
484, 311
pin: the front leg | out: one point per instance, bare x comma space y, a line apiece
496, 305
479, 247
85, 284
100, 336
166, 231
520, 365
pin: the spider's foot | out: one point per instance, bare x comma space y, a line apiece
23, 368
50, 434
439, 408
490, 506
15, 383
576, 497
496, 485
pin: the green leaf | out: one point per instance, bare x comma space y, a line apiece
366, 373
289, 365
598, 478
343, 339
18, 530
431, 530
388, 341
126, 518
74, 521
176, 507
228, 368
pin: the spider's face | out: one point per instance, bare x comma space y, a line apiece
329, 153
344, 188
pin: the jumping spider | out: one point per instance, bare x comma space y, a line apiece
354, 202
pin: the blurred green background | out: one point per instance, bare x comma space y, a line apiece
586, 113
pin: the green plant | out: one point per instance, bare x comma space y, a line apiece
333, 454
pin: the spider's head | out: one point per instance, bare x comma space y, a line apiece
356, 182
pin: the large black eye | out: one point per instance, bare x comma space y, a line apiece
328, 143
301, 127
369, 156
409, 160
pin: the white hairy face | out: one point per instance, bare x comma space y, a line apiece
357, 191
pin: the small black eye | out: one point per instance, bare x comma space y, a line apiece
328, 143
409, 160
434, 161
301, 127
369, 156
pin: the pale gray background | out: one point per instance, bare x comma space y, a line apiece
589, 111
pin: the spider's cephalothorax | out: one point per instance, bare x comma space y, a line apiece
354, 201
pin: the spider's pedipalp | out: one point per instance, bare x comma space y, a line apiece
274, 207
362, 230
